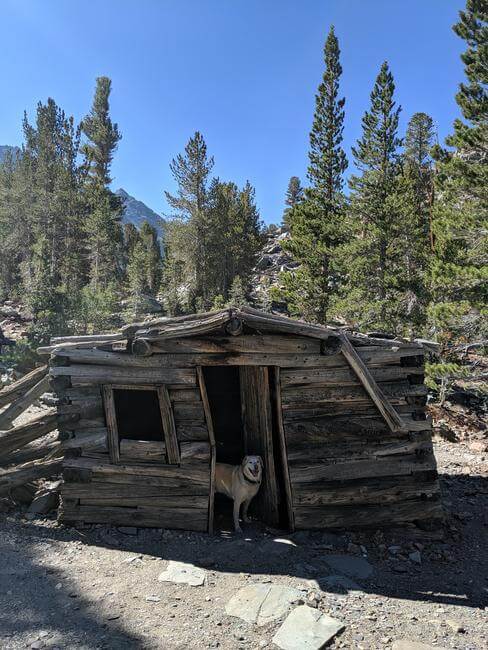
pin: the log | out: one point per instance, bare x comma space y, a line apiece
355, 469
130, 329
30, 453
369, 516
11, 478
318, 429
301, 396
179, 518
280, 431
187, 432
22, 434
23, 402
343, 376
191, 412
374, 391
113, 375
381, 491
172, 501
243, 344
169, 428
147, 450
11, 392
104, 489
191, 451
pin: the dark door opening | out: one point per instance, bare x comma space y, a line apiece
240, 400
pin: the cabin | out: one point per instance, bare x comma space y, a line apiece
338, 418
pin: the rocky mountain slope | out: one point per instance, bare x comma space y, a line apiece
136, 212
4, 148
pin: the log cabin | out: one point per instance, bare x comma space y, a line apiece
338, 418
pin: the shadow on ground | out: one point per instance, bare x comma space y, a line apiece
452, 570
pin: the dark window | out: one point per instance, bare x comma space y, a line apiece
138, 415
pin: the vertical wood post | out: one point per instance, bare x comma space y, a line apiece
169, 428
211, 436
283, 452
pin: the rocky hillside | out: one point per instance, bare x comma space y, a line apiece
4, 148
136, 212
272, 260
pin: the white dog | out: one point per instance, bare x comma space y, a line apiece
240, 483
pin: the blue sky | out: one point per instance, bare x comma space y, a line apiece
243, 72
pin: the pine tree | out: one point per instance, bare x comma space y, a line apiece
237, 293
316, 222
370, 261
103, 227
294, 194
460, 219
191, 171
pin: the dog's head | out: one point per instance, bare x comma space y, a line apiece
252, 467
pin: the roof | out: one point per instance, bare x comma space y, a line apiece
230, 322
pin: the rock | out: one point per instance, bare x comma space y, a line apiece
306, 629
45, 500
262, 603
407, 644
181, 572
344, 584
456, 627
415, 557
355, 549
355, 567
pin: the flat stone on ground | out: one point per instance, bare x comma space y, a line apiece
355, 567
181, 572
407, 644
306, 629
262, 603
344, 584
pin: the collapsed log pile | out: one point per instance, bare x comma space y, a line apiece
27, 451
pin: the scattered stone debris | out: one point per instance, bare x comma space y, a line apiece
406, 644
182, 572
262, 603
306, 629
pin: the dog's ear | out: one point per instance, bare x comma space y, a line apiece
261, 461
244, 460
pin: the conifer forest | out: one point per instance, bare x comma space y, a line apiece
399, 248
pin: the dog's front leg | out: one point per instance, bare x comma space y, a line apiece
237, 507
244, 511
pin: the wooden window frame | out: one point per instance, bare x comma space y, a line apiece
167, 419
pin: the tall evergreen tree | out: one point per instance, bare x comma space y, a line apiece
104, 230
191, 171
370, 297
460, 220
294, 194
316, 222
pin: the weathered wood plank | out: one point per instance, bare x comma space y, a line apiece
111, 419
181, 518
367, 516
241, 344
114, 375
396, 390
397, 466
194, 451
188, 432
104, 489
199, 475
24, 401
343, 376
184, 395
374, 391
258, 437
14, 390
11, 478
169, 428
148, 450
277, 403
154, 501
22, 434
189, 412
382, 491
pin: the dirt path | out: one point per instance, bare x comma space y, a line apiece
98, 587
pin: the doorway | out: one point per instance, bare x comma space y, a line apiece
242, 407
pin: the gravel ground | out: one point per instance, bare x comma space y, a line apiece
98, 587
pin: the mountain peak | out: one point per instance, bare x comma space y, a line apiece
135, 212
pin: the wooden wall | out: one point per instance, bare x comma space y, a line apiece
346, 468
140, 490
